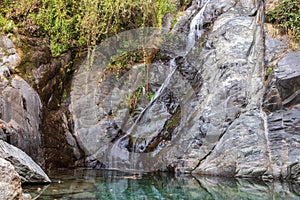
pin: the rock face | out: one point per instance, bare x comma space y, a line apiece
281, 103
62, 150
21, 110
50, 78
219, 98
212, 112
32, 106
10, 181
20, 106
29, 171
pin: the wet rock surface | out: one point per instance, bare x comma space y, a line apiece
219, 98
213, 115
212, 98
10, 181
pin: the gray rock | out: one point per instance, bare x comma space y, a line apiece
29, 171
10, 181
6, 43
287, 75
240, 152
9, 59
214, 113
274, 48
22, 111
294, 171
283, 90
212, 86
283, 140
20, 106
281, 102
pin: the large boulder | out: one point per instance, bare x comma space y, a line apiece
29, 171
10, 181
20, 106
21, 110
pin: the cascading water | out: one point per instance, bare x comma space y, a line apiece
196, 26
204, 116
119, 157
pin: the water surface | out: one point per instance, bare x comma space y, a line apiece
106, 185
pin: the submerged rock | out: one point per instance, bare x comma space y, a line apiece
29, 171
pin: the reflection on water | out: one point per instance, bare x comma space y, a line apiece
100, 184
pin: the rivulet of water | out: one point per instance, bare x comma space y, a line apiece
120, 158
196, 27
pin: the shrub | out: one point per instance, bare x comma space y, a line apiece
80, 24
287, 15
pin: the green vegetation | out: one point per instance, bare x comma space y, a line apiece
269, 71
121, 64
134, 98
68, 24
151, 95
139, 95
6, 25
287, 15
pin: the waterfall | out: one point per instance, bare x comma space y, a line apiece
196, 27
205, 114
118, 156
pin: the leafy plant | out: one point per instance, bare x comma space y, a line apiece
150, 96
80, 24
6, 26
134, 98
269, 71
287, 15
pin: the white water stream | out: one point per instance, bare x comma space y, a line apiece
196, 27
119, 157
130, 160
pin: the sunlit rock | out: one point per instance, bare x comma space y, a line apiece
28, 170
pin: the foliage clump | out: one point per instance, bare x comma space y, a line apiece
79, 24
287, 15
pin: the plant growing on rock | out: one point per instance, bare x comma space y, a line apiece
287, 15
80, 24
